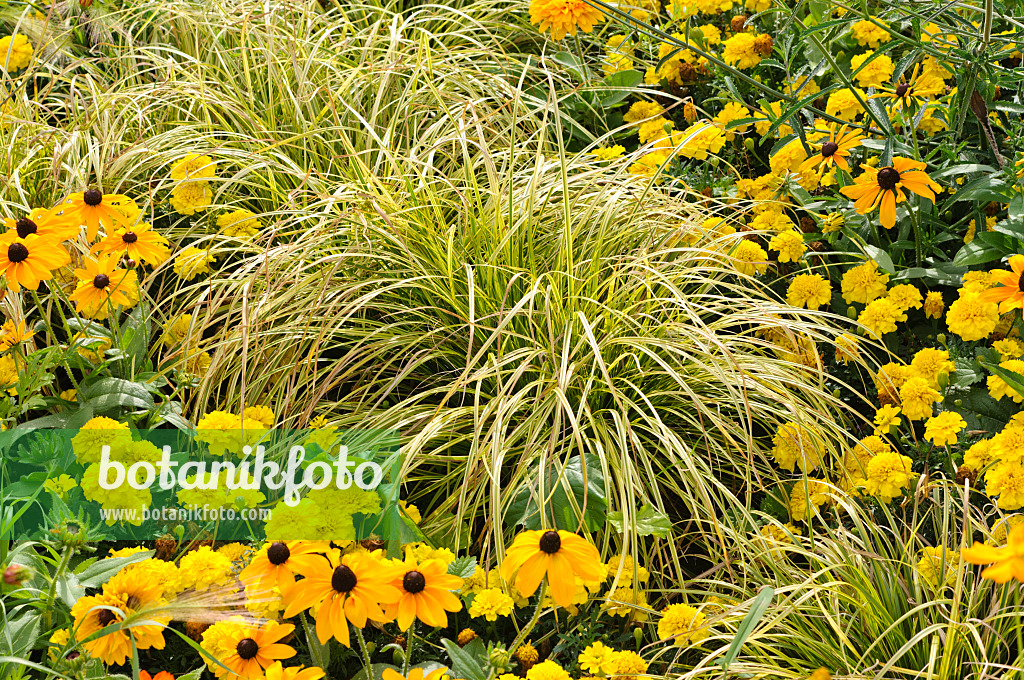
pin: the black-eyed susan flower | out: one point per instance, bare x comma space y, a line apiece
1007, 562
42, 222
102, 286
884, 188
275, 564
833, 149
278, 672
559, 555
1010, 294
342, 589
138, 242
246, 649
93, 208
425, 593
124, 596
30, 260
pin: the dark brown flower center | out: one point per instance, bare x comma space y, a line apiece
902, 89
93, 197
105, 617
129, 237
344, 579
278, 553
17, 252
1020, 282
101, 281
414, 582
247, 648
133, 602
888, 178
829, 149
550, 542
25, 226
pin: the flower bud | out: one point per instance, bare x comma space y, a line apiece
16, 574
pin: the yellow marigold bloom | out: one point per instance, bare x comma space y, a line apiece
188, 198
789, 158
905, 296
15, 52
629, 665
847, 348
547, 670
844, 104
1009, 348
773, 113
933, 305
598, 659
641, 111
972, 318
682, 624
192, 262
490, 604
527, 655
942, 429
758, 5
868, 32
809, 290
888, 473
975, 282
917, 398
741, 51
193, 167
802, 86
929, 363
176, 330
128, 594
774, 538
607, 153
874, 73
712, 34
729, 113
886, 419
980, 455
1003, 527
999, 388
789, 244
1010, 442
807, 491
98, 432
864, 283
655, 130
261, 414
700, 139
203, 568
648, 164
772, 219
564, 16
1006, 480
240, 224
749, 258
938, 566
880, 317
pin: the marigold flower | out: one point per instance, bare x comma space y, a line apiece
845, 103
873, 73
864, 283
868, 32
682, 623
917, 398
741, 51
886, 418
188, 198
789, 244
15, 52
564, 16
732, 112
807, 492
749, 258
598, 659
1006, 480
942, 429
192, 262
934, 305
938, 566
809, 290
905, 296
491, 604
124, 596
888, 473
980, 455
972, 318
929, 363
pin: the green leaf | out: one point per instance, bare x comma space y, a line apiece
115, 388
647, 522
468, 663
318, 652
19, 635
757, 609
976, 252
622, 82
463, 567
97, 573
567, 489
570, 61
879, 256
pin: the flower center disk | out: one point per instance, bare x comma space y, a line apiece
1020, 283
247, 648
902, 89
17, 252
25, 226
414, 582
93, 197
130, 237
828, 149
278, 553
888, 178
550, 542
343, 580
101, 281
105, 617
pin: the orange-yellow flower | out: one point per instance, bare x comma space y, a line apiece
44, 223
426, 595
559, 555
883, 188
94, 208
1007, 562
564, 16
1010, 295
27, 261
833, 149
101, 285
138, 242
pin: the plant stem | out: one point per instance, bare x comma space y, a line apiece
409, 644
533, 620
51, 595
365, 651
918, 244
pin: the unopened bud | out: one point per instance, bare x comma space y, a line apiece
16, 574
